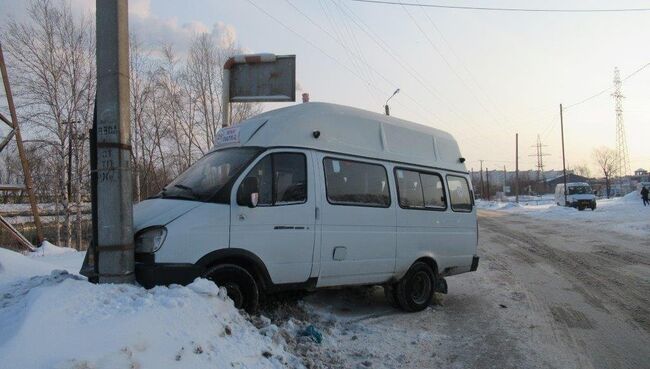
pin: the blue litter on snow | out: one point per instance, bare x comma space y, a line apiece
312, 333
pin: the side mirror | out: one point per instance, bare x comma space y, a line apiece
249, 193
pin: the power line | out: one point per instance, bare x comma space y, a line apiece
338, 61
463, 64
532, 10
437, 50
410, 70
551, 127
608, 88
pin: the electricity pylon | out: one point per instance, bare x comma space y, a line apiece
622, 155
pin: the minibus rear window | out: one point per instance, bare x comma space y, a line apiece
459, 194
355, 183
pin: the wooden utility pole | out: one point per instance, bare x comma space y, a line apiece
563, 159
481, 181
29, 183
505, 180
516, 167
487, 180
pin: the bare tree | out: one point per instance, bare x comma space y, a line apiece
52, 63
581, 169
605, 158
175, 106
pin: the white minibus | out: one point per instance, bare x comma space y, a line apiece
315, 195
578, 195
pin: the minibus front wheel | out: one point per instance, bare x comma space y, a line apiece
240, 284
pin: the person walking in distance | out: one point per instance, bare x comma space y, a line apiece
644, 195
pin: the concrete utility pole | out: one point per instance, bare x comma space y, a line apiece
114, 202
516, 167
563, 159
29, 183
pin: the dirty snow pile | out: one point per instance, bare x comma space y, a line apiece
623, 214
54, 319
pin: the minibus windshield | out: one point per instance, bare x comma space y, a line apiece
206, 177
579, 190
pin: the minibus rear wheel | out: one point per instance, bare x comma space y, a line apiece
415, 291
239, 283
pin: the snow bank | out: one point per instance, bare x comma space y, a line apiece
50, 249
15, 266
624, 214
634, 196
76, 324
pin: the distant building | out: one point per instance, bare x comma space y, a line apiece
641, 172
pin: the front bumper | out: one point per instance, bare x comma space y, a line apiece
583, 204
159, 274
474, 266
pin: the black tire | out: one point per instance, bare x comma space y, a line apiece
389, 293
240, 284
415, 291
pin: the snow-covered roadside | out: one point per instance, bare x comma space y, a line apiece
625, 215
76, 324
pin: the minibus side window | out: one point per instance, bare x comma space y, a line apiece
459, 194
417, 190
282, 179
355, 183
434, 193
409, 188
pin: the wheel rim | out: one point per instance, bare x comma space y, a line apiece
421, 288
235, 294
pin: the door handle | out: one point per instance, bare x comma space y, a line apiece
242, 217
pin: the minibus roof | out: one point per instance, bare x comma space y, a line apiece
343, 129
577, 184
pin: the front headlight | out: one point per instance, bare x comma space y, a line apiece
150, 240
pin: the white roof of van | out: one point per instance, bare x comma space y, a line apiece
346, 130
576, 184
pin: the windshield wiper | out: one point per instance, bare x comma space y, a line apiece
187, 188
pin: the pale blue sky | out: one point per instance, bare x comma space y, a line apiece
515, 67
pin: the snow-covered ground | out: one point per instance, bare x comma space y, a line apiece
546, 295
625, 215
53, 318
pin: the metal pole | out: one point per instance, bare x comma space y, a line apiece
225, 102
386, 107
563, 158
29, 184
516, 167
114, 192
